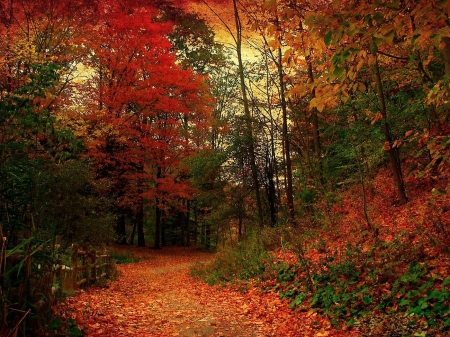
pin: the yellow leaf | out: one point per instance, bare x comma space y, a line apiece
320, 106
360, 65
376, 118
311, 313
389, 37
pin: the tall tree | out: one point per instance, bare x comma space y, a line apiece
140, 104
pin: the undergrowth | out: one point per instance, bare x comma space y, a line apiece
246, 260
123, 256
361, 284
390, 289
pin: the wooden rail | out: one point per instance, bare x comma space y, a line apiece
87, 267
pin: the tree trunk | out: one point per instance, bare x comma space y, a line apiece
140, 210
271, 189
446, 57
372, 228
248, 118
240, 228
394, 157
157, 244
195, 229
120, 228
163, 226
120, 213
140, 223
286, 143
315, 125
446, 54
208, 235
133, 232
182, 221
188, 223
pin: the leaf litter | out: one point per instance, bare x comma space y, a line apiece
158, 297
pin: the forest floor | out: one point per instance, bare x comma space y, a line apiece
158, 297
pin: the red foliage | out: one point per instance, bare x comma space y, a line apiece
147, 114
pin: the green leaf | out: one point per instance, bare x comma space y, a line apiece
437, 192
344, 56
374, 48
327, 38
446, 281
437, 38
378, 17
56, 324
20, 248
366, 300
413, 293
393, 5
436, 294
338, 71
404, 302
335, 59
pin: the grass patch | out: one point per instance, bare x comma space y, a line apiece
123, 256
247, 260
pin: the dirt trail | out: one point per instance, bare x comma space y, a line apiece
157, 297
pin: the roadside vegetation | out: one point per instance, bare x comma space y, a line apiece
396, 284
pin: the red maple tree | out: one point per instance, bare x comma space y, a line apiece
147, 113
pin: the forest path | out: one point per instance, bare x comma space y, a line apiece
157, 297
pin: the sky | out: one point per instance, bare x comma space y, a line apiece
224, 9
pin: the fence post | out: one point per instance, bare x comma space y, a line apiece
87, 263
85, 260
93, 266
2, 258
74, 266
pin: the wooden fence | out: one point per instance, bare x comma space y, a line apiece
41, 278
87, 267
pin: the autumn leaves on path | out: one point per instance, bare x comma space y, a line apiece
158, 297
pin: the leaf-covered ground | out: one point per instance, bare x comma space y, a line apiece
158, 297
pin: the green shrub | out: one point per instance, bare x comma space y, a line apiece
242, 262
120, 257
353, 287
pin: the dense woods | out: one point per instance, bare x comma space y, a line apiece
322, 131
